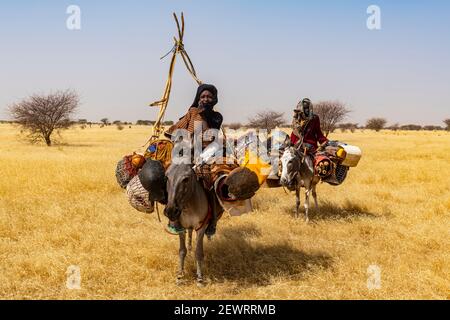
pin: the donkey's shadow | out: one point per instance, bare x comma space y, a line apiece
233, 256
331, 211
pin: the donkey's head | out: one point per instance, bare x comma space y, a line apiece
180, 185
290, 163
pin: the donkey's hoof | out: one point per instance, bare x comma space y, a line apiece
201, 284
180, 282
180, 277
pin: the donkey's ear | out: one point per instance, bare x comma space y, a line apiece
288, 141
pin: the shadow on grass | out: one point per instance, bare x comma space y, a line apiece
72, 145
331, 211
248, 231
232, 256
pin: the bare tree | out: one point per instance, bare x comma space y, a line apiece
330, 114
348, 126
411, 127
394, 127
376, 124
432, 128
105, 121
447, 124
145, 123
41, 115
267, 120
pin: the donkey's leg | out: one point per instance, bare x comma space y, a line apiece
314, 194
308, 191
297, 201
190, 240
182, 256
199, 256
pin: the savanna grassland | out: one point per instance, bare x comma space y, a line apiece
61, 206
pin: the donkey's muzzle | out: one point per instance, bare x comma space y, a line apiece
172, 212
288, 183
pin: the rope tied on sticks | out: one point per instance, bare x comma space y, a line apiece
178, 48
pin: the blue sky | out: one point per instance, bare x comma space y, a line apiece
260, 55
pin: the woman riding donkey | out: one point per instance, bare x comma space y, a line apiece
299, 152
306, 128
198, 193
201, 112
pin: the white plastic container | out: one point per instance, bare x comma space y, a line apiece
353, 155
237, 208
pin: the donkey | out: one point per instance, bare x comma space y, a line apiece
297, 172
187, 201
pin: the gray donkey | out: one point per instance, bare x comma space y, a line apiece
187, 201
298, 172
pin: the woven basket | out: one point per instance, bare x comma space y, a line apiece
138, 197
125, 171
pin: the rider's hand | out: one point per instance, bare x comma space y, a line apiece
322, 146
201, 106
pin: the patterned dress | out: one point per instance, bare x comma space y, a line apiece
193, 116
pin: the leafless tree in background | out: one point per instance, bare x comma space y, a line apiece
411, 127
348, 126
376, 124
432, 128
447, 124
41, 115
105, 121
330, 113
267, 120
394, 127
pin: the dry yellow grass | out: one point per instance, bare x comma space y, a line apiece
61, 206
